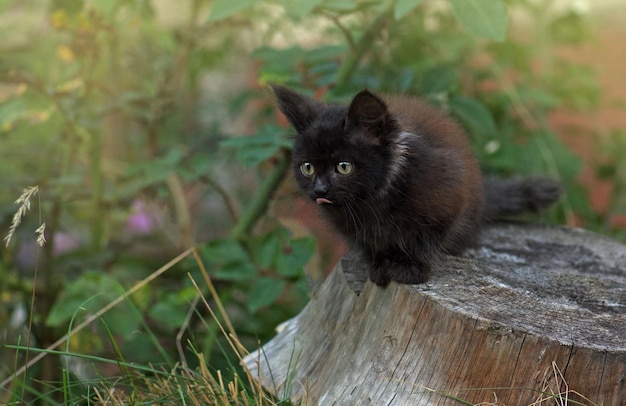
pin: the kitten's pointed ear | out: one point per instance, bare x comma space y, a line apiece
367, 110
299, 109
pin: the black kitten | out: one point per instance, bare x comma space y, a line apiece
397, 178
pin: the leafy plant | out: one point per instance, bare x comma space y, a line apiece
108, 129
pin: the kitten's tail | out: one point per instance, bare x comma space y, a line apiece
512, 197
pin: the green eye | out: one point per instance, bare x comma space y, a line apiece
307, 169
344, 168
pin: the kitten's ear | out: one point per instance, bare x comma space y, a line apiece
367, 110
299, 109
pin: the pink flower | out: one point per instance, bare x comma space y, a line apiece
141, 221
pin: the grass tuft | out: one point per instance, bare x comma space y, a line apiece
556, 391
142, 385
185, 386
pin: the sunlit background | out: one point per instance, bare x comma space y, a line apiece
146, 128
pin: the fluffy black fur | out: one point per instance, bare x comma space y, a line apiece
397, 178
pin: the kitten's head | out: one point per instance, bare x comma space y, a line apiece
341, 153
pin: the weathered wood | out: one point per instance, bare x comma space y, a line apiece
531, 312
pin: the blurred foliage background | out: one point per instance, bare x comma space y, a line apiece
147, 129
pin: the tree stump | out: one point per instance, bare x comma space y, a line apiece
531, 314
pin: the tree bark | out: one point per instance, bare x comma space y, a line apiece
531, 314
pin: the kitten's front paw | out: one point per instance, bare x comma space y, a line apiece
410, 274
380, 276
384, 270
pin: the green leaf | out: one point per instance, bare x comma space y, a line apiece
88, 293
510, 53
264, 292
229, 259
569, 29
236, 271
149, 173
122, 321
69, 6
485, 18
222, 9
322, 54
532, 157
439, 79
476, 117
63, 309
168, 312
224, 250
268, 247
254, 149
341, 6
291, 264
539, 97
550, 148
11, 111
141, 346
404, 7
301, 291
300, 8
199, 165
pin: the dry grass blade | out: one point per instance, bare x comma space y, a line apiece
214, 295
181, 386
237, 348
555, 389
231, 336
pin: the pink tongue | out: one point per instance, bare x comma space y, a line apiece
321, 200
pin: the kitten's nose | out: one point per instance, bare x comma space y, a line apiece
320, 187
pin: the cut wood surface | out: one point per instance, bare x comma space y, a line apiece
529, 315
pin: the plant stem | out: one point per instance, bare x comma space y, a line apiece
350, 65
346, 33
97, 238
219, 189
259, 205
183, 217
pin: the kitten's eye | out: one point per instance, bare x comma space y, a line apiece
307, 169
344, 168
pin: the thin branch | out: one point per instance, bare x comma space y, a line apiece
350, 65
219, 189
344, 30
183, 217
259, 205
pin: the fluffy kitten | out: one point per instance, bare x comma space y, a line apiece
397, 178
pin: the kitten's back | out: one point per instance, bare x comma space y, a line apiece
416, 116
503, 198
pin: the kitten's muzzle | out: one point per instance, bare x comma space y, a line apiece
320, 191
320, 187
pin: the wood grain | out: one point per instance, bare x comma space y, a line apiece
531, 312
